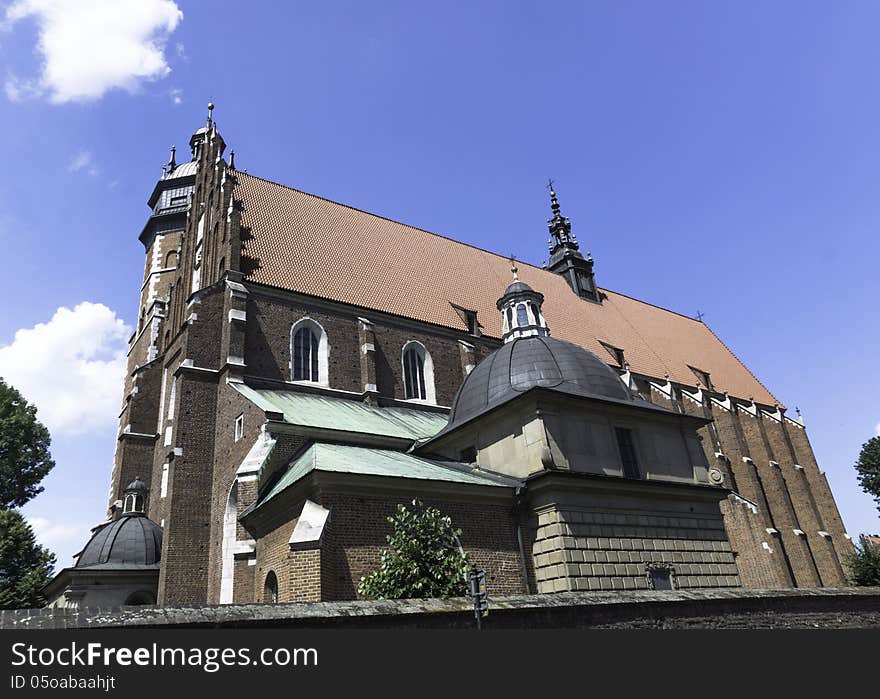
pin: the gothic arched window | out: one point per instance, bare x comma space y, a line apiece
308, 352
305, 355
270, 589
522, 316
418, 373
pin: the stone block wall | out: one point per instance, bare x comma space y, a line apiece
577, 549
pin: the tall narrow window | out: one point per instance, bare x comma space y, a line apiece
309, 352
270, 590
305, 355
418, 373
627, 452
414, 373
522, 316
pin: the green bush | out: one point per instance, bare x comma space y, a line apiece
864, 564
423, 558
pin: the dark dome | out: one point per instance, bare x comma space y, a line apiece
132, 541
516, 287
534, 361
137, 485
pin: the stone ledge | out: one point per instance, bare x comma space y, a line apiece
558, 610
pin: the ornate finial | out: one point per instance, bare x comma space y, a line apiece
171, 161
543, 264
232, 160
210, 113
514, 269
554, 202
559, 225
797, 410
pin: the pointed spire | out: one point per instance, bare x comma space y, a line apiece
172, 163
559, 225
232, 160
210, 115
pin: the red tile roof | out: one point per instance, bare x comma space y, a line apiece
314, 246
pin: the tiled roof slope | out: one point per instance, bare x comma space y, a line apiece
304, 243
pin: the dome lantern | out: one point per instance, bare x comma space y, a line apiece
134, 497
520, 307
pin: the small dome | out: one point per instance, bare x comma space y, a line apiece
527, 362
183, 170
137, 485
517, 287
132, 541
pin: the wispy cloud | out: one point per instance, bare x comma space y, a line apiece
91, 46
176, 95
83, 161
71, 367
61, 535
877, 429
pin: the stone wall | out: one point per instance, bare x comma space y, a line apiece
816, 608
590, 549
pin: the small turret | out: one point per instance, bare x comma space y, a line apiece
134, 498
520, 306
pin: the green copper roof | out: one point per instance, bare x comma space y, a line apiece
325, 412
379, 462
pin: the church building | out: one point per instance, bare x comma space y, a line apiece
284, 395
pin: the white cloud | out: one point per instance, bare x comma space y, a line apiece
176, 96
72, 367
877, 429
91, 46
60, 536
83, 161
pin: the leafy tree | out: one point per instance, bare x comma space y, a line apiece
423, 558
868, 467
864, 563
25, 567
24, 449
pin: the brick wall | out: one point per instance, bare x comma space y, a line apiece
267, 346
358, 527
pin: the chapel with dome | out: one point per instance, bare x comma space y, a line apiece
120, 563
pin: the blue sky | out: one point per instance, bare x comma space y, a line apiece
722, 157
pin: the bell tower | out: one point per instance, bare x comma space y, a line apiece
565, 256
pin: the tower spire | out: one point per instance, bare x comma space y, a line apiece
559, 225
565, 256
